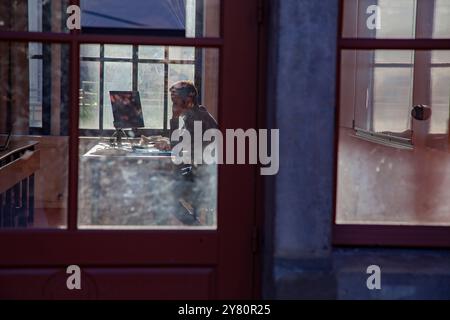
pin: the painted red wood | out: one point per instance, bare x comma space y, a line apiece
402, 236
109, 283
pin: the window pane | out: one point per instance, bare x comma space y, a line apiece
34, 108
90, 50
440, 56
182, 18
89, 94
151, 88
35, 84
378, 95
396, 19
392, 99
181, 53
441, 19
151, 52
394, 56
179, 72
125, 187
397, 170
440, 102
117, 77
118, 51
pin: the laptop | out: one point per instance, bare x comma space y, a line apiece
5, 146
127, 109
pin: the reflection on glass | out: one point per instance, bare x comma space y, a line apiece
121, 186
33, 135
394, 168
182, 18
406, 19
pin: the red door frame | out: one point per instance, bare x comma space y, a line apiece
229, 249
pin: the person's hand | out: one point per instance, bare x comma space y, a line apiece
150, 140
144, 140
176, 111
163, 145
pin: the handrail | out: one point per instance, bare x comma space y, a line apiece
19, 169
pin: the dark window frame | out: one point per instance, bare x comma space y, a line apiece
136, 61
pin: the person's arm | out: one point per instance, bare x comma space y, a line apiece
174, 124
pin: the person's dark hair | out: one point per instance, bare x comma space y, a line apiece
184, 89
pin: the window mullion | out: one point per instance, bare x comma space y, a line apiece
422, 59
134, 82
101, 85
166, 86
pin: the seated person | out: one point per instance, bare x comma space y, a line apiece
184, 97
195, 190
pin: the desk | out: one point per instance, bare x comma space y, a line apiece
102, 150
18, 165
119, 186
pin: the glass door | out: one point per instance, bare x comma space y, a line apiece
97, 107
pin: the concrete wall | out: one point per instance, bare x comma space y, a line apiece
299, 260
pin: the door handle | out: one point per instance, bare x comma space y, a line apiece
421, 112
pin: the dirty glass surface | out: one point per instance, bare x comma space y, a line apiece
121, 187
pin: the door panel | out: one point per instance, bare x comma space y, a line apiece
111, 283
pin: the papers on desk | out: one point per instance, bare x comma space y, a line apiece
103, 149
107, 151
151, 151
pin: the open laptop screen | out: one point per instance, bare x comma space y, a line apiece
127, 109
